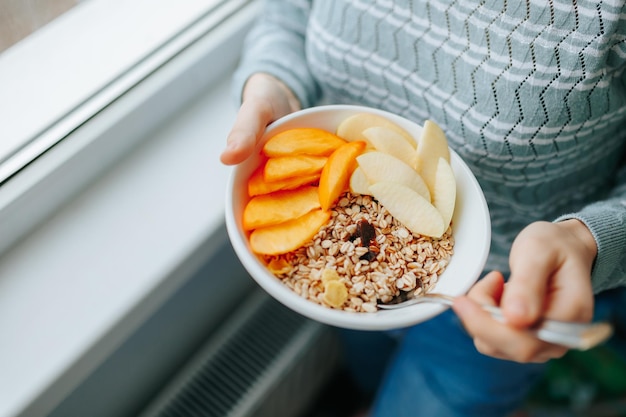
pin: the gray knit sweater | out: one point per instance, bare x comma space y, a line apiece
531, 94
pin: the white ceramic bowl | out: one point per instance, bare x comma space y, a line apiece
471, 232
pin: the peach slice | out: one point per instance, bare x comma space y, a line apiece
311, 141
432, 146
389, 141
288, 236
409, 208
279, 266
444, 191
379, 166
258, 186
335, 176
282, 167
279, 206
352, 127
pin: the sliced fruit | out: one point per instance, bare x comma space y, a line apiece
335, 293
288, 236
328, 275
434, 140
379, 166
432, 146
444, 191
279, 206
351, 128
257, 184
311, 141
335, 176
390, 141
283, 167
409, 208
359, 184
279, 266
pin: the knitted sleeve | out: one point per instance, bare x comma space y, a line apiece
607, 222
275, 45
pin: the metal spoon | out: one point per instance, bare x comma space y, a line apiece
581, 336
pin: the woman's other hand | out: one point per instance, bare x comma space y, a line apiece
265, 99
550, 277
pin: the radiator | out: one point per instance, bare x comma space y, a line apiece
264, 361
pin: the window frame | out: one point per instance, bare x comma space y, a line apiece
54, 80
89, 140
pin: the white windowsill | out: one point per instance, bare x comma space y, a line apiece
67, 291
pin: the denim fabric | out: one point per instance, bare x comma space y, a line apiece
437, 372
433, 369
366, 357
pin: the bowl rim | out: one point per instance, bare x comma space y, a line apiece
380, 320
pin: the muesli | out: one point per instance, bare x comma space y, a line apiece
363, 256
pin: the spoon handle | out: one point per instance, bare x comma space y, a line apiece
581, 336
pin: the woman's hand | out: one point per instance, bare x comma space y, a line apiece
550, 277
265, 99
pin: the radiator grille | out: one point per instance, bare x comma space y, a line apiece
265, 361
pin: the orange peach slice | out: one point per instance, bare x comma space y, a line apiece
282, 167
258, 186
279, 206
288, 236
335, 176
311, 141
279, 266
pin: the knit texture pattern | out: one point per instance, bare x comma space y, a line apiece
531, 96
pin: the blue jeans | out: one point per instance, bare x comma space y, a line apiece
437, 372
434, 370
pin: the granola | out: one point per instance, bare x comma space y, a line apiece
369, 252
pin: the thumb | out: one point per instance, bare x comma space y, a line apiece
488, 290
525, 292
253, 116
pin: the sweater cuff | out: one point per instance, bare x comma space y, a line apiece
607, 225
